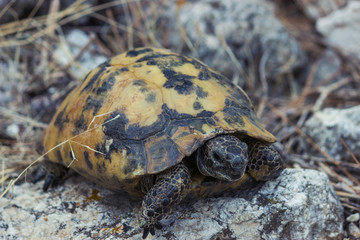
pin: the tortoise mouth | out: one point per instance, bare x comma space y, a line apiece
235, 176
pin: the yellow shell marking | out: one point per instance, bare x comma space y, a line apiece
142, 112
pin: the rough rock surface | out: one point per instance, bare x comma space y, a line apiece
328, 126
300, 204
315, 9
221, 31
341, 29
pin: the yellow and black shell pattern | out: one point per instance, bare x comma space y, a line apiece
142, 112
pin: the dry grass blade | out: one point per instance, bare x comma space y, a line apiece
116, 32
6, 8
325, 91
264, 84
51, 21
77, 10
350, 206
351, 153
22, 118
35, 23
347, 195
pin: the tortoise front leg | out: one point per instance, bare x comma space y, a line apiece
169, 189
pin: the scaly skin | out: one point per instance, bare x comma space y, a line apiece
226, 157
169, 189
265, 163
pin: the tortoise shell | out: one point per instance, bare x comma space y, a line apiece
142, 112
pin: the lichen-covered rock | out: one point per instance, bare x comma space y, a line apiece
300, 204
327, 127
245, 30
341, 29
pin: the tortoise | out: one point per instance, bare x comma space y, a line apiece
157, 124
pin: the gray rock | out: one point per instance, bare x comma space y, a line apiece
13, 130
328, 66
253, 35
315, 9
300, 204
354, 230
353, 217
328, 126
341, 29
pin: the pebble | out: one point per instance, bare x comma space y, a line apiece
354, 230
12, 130
353, 217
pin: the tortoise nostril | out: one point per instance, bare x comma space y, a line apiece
216, 157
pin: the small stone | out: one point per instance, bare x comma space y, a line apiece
328, 65
78, 38
353, 217
12, 130
353, 230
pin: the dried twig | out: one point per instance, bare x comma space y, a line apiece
325, 91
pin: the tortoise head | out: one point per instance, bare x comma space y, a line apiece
224, 157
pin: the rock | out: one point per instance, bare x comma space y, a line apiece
328, 66
315, 9
328, 126
249, 29
300, 204
353, 217
69, 48
13, 130
354, 231
341, 29
11, 76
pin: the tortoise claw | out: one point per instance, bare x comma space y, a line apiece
49, 180
39, 174
146, 232
150, 229
51, 172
